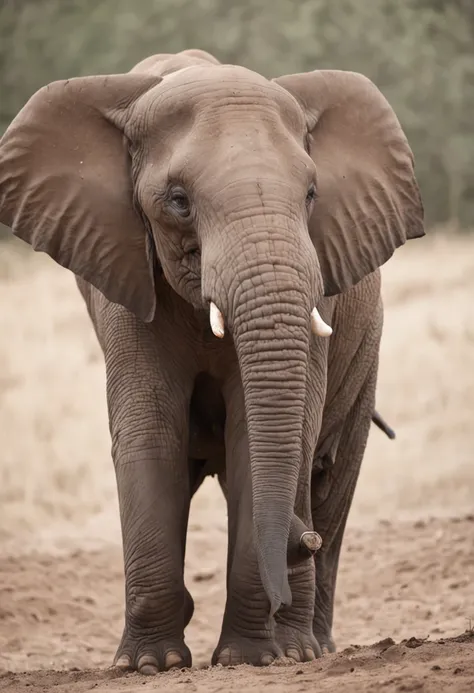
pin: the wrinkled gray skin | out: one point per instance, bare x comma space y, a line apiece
185, 182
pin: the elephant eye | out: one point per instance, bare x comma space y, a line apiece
311, 194
180, 202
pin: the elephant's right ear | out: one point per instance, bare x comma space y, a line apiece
66, 189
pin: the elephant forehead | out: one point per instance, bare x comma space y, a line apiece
219, 91
205, 77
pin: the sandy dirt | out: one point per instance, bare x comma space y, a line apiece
405, 606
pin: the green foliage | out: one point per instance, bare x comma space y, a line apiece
418, 52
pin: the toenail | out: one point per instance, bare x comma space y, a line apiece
309, 654
267, 659
147, 665
173, 659
294, 654
123, 662
224, 658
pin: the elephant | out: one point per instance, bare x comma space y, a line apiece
226, 231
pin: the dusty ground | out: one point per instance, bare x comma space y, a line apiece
407, 570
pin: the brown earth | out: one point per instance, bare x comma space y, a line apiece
407, 569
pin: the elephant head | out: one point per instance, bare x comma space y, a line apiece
254, 198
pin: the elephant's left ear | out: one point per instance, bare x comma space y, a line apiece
368, 201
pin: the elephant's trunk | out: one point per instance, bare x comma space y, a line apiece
269, 314
273, 370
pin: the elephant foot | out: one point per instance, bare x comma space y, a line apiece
148, 655
326, 643
298, 645
234, 649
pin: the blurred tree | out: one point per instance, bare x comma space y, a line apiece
418, 52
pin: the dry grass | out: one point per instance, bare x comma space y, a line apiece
426, 384
56, 477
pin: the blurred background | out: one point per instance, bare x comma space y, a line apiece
418, 52
57, 486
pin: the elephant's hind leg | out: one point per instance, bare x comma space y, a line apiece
332, 494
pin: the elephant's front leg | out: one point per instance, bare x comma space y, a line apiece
149, 391
246, 634
294, 624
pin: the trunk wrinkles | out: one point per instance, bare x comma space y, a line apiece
269, 316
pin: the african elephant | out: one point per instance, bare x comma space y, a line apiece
219, 223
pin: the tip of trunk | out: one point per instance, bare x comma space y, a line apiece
273, 568
279, 595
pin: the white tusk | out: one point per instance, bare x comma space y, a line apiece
217, 321
318, 325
